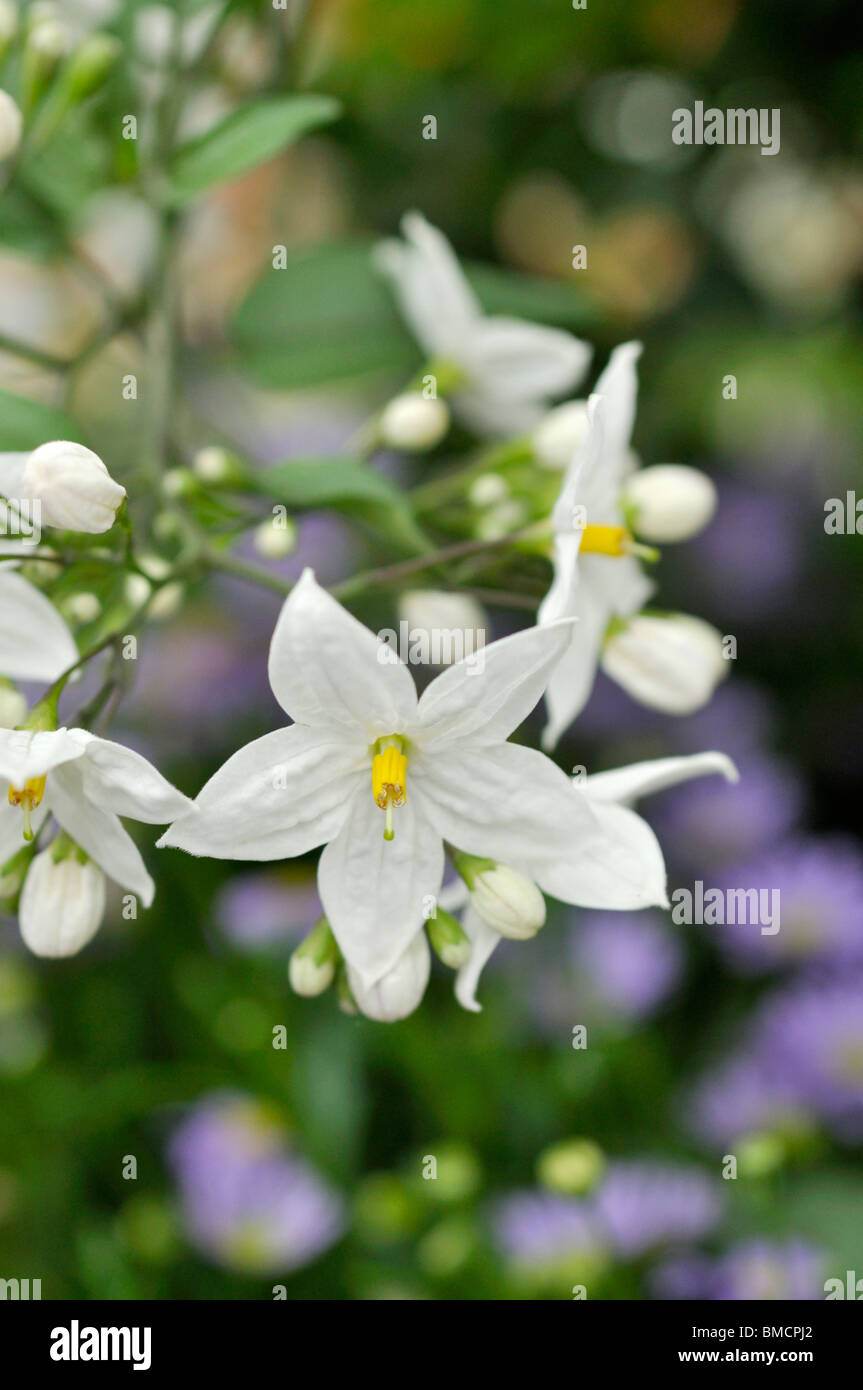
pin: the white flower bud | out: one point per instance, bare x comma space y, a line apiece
413, 423
313, 964
8, 21
487, 490
670, 502
670, 663
398, 992
82, 608
166, 602
557, 437
62, 904
75, 489
10, 125
213, 464
13, 706
276, 540
137, 589
508, 901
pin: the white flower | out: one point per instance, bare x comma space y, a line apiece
610, 794
557, 437
596, 577
413, 422
62, 904
10, 125
670, 502
400, 989
35, 643
75, 489
86, 783
672, 662
510, 368
383, 779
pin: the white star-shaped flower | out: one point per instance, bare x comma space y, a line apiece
510, 369
384, 779
597, 573
87, 784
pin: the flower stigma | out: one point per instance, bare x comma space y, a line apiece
389, 778
28, 798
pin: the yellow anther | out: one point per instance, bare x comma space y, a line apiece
28, 798
389, 780
606, 540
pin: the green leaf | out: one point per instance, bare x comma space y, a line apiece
26, 424
347, 484
246, 138
329, 316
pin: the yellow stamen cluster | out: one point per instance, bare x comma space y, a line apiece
606, 540
28, 798
389, 779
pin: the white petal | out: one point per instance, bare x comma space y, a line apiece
25, 755
618, 386
326, 668
399, 992
124, 782
433, 294
484, 940
280, 796
495, 417
11, 473
522, 361
486, 696
626, 784
618, 865
375, 892
572, 679
99, 833
12, 827
506, 803
35, 643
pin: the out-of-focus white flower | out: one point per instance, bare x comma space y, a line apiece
35, 642
82, 608
557, 437
137, 589
213, 464
166, 602
670, 502
413, 422
399, 991
672, 663
488, 490
62, 903
73, 487
13, 706
10, 125
509, 369
8, 22
276, 539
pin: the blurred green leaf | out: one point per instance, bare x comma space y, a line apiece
246, 138
26, 424
328, 315
348, 484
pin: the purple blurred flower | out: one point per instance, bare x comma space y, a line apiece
246, 1202
712, 821
268, 907
643, 1203
820, 886
750, 557
737, 721
741, 1097
754, 1269
628, 963
537, 1230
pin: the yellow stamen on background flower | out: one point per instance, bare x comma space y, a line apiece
389, 779
606, 540
28, 798
616, 541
